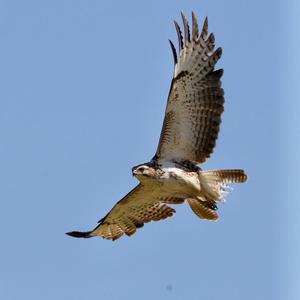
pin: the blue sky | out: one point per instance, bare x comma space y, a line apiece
83, 93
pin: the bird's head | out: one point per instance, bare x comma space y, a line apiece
143, 171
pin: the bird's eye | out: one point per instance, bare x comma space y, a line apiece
142, 169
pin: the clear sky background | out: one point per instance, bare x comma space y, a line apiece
82, 99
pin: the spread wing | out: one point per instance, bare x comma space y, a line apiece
139, 206
195, 102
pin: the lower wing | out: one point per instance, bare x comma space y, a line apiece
139, 206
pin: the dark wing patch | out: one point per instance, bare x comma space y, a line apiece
139, 206
195, 102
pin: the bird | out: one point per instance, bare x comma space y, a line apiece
188, 137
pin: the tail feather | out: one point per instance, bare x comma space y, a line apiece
214, 186
202, 210
226, 176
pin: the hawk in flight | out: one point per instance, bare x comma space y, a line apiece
188, 137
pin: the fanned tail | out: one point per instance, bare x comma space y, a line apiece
214, 186
225, 176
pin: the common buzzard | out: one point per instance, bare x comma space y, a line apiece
188, 137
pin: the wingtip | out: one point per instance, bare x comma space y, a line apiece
173, 52
205, 23
218, 52
186, 29
79, 234
179, 36
220, 72
204, 30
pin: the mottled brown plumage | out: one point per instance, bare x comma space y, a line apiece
139, 206
188, 137
195, 102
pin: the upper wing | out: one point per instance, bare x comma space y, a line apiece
139, 206
195, 102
